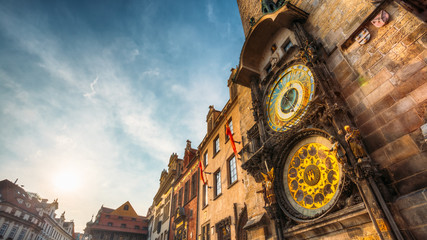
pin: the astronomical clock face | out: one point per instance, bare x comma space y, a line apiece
312, 177
289, 96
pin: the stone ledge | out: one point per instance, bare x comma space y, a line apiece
352, 216
412, 199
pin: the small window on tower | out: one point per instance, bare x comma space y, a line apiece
268, 68
288, 44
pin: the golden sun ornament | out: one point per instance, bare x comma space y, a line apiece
313, 176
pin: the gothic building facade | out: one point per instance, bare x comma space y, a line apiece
338, 91
328, 110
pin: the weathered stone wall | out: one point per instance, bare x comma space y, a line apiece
247, 10
332, 20
384, 83
413, 209
254, 201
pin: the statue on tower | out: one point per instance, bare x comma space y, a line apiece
352, 137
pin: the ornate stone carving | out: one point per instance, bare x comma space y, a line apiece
270, 6
352, 137
307, 52
267, 188
223, 228
338, 151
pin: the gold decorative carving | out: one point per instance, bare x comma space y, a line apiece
313, 176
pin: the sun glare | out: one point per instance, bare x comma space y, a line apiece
66, 181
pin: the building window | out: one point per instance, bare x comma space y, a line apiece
216, 145
288, 44
186, 192
107, 216
110, 224
217, 183
126, 207
232, 170
156, 223
123, 225
166, 211
3, 229
120, 217
136, 227
174, 203
223, 229
230, 125
194, 184
268, 68
205, 159
205, 195
205, 232
22, 234
133, 219
13, 232
180, 198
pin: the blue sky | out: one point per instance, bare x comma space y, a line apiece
96, 95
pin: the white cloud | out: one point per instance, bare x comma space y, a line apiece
92, 87
210, 12
119, 128
58, 129
151, 73
133, 54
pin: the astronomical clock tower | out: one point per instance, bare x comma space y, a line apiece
304, 151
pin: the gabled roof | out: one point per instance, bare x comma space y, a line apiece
125, 209
17, 196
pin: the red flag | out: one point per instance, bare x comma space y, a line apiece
230, 135
201, 172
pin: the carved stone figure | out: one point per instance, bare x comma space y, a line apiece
274, 59
267, 185
338, 151
307, 53
352, 137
